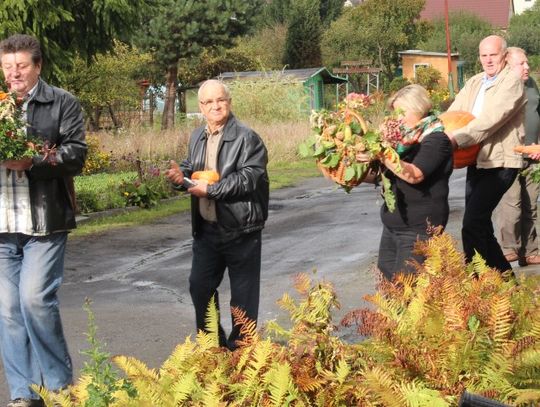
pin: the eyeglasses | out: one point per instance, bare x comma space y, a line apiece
219, 101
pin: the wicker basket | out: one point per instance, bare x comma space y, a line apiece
337, 175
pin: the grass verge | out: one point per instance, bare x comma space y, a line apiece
281, 175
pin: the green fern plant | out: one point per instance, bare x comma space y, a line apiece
427, 338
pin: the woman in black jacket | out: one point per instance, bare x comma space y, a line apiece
419, 181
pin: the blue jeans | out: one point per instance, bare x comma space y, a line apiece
31, 337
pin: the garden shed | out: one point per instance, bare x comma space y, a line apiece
411, 60
322, 86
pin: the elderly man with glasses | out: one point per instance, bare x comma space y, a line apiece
228, 215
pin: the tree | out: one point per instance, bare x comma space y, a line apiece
466, 31
376, 30
274, 12
67, 29
181, 29
303, 43
524, 30
330, 10
266, 54
109, 81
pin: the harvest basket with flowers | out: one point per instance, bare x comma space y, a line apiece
341, 134
15, 143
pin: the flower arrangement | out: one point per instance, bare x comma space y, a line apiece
342, 134
15, 144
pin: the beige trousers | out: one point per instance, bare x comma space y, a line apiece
515, 217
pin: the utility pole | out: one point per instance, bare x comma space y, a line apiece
448, 51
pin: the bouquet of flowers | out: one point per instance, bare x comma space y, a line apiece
15, 144
341, 134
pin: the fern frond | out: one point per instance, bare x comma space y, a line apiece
212, 395
529, 397
500, 322
175, 362
279, 382
381, 385
184, 387
248, 328
212, 321
135, 368
417, 395
302, 283
342, 371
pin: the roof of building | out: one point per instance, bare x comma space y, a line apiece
428, 53
497, 12
301, 75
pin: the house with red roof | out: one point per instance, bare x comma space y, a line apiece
497, 12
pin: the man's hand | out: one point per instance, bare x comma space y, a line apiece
199, 190
452, 140
18, 165
174, 173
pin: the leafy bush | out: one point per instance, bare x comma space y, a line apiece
276, 98
428, 77
99, 192
429, 337
397, 83
97, 160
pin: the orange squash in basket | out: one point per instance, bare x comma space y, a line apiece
211, 177
454, 120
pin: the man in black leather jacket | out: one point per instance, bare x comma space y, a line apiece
229, 215
37, 209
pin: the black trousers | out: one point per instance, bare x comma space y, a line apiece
212, 254
484, 189
396, 247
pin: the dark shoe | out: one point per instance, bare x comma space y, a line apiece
529, 260
19, 402
511, 257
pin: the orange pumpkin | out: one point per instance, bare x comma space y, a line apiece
454, 120
211, 177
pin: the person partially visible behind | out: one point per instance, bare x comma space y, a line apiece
229, 215
420, 183
37, 210
516, 213
497, 100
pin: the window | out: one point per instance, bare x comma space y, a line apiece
416, 66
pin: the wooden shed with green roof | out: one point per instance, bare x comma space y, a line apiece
320, 84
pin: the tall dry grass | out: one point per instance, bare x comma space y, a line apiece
281, 140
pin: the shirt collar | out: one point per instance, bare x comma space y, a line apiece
216, 132
488, 81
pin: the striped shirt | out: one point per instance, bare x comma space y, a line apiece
15, 207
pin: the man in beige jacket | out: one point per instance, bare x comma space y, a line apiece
496, 98
516, 214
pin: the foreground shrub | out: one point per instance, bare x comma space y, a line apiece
429, 337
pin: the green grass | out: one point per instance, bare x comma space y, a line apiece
281, 175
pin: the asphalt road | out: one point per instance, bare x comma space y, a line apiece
137, 277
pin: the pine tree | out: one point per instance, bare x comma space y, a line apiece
302, 47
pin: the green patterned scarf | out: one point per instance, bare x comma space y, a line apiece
416, 134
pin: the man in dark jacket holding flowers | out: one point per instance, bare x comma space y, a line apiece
37, 209
229, 215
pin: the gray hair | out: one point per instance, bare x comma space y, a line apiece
214, 82
22, 42
413, 98
510, 51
